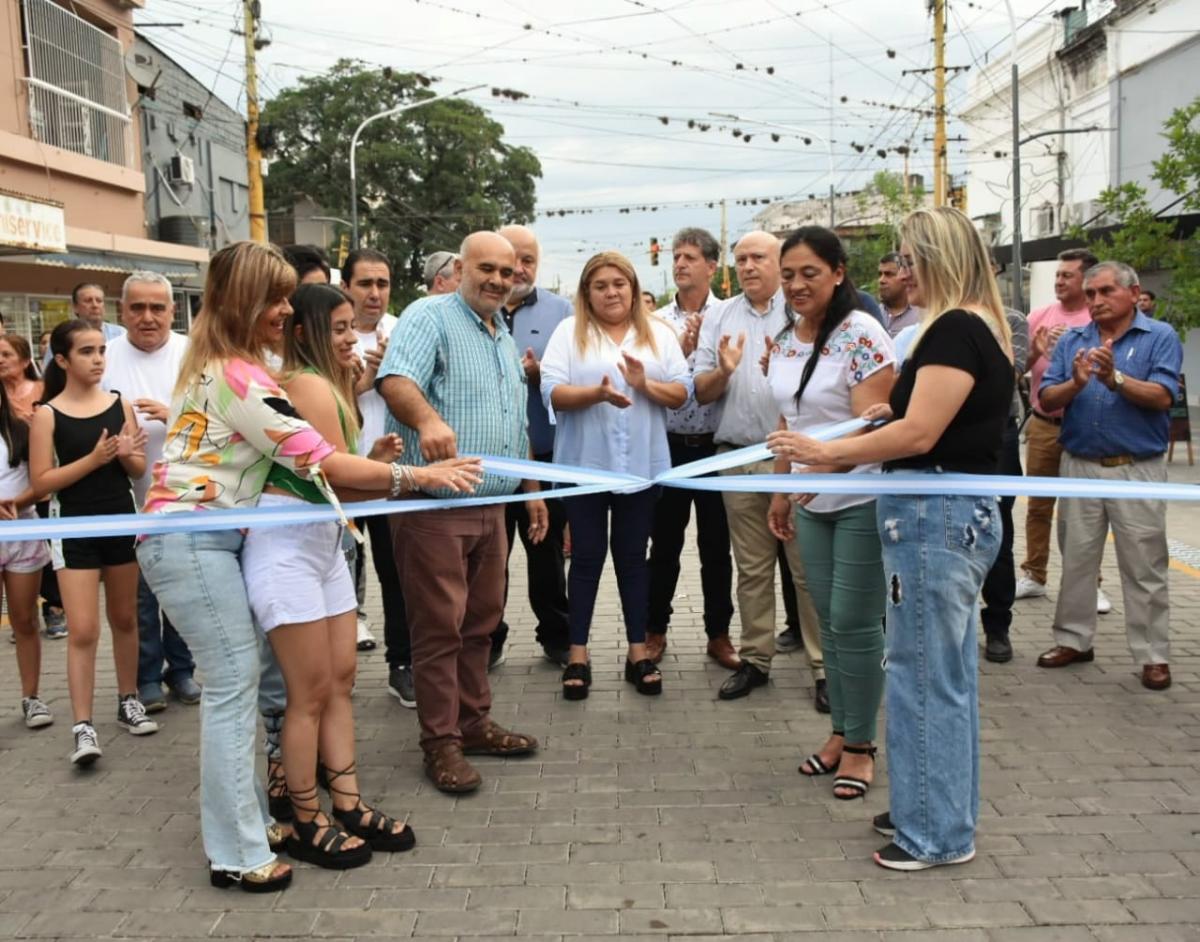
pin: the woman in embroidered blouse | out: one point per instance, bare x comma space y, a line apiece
832, 363
229, 422
609, 375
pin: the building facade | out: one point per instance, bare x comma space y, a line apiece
72, 184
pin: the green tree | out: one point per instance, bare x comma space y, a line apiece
426, 178
883, 196
1145, 240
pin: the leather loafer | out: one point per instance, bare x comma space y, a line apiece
998, 649
1060, 656
740, 684
1156, 676
720, 649
821, 697
656, 645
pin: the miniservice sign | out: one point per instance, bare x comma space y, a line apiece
31, 224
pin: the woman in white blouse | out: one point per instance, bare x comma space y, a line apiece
831, 364
609, 375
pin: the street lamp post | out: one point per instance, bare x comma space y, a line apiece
803, 131
390, 112
1018, 287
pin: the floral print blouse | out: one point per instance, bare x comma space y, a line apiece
223, 434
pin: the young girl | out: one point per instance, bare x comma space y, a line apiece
84, 447
21, 561
302, 594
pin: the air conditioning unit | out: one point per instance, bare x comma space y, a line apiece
182, 169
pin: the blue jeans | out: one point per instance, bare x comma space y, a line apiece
198, 580
158, 641
632, 517
936, 554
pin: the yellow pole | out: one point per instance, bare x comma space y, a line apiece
939, 86
258, 215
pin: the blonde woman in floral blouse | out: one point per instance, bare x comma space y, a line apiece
229, 423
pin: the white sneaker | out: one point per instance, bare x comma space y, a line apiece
366, 640
1103, 603
132, 715
36, 713
87, 744
1029, 588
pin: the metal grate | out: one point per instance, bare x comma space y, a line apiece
77, 98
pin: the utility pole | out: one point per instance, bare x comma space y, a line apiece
258, 215
725, 285
939, 102
832, 195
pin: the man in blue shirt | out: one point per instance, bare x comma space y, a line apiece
453, 383
1116, 378
531, 316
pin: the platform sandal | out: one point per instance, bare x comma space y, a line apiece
645, 677
318, 841
857, 786
576, 672
818, 767
374, 827
279, 803
269, 878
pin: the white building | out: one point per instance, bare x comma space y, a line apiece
1119, 66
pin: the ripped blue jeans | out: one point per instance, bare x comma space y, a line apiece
936, 553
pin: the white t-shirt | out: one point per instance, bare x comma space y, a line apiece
370, 403
856, 348
136, 374
13, 481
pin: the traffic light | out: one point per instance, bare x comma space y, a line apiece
654, 251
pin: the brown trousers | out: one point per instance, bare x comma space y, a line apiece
451, 568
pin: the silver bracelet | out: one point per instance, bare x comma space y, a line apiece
397, 480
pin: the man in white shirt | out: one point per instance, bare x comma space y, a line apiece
142, 364
690, 437
367, 278
731, 341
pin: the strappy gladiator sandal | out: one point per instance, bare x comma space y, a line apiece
279, 803
374, 827
318, 841
857, 786
813, 766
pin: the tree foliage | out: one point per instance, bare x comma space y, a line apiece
1145, 240
884, 196
426, 177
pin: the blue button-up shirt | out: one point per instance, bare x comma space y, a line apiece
1100, 422
532, 322
470, 377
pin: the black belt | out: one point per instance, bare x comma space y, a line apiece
1046, 418
691, 441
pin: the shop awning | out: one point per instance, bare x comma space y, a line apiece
85, 260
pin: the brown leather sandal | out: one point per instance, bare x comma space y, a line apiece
492, 739
449, 771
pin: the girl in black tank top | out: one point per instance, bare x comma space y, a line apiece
84, 446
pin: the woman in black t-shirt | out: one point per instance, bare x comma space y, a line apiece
948, 408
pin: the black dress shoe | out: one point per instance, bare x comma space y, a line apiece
998, 649
745, 679
821, 700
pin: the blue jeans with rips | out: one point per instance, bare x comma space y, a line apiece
936, 553
198, 580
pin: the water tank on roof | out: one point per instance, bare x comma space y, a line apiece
183, 230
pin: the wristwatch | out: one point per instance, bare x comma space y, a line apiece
1118, 379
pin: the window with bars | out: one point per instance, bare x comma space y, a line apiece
76, 79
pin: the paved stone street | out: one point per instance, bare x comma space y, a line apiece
681, 816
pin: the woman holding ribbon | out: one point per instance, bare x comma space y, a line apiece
229, 423
609, 375
949, 405
832, 363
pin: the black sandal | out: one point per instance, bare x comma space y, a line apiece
818, 767
579, 672
645, 677
279, 802
374, 827
318, 841
856, 785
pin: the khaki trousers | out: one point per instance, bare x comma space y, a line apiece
754, 552
1043, 454
1140, 532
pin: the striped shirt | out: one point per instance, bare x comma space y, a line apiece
472, 379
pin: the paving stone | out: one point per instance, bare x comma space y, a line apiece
672, 921
388, 923
982, 915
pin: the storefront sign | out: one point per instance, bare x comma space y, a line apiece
31, 224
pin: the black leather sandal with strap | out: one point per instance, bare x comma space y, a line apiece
374, 827
813, 766
576, 681
278, 801
318, 841
853, 787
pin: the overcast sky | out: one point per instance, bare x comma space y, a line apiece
601, 74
